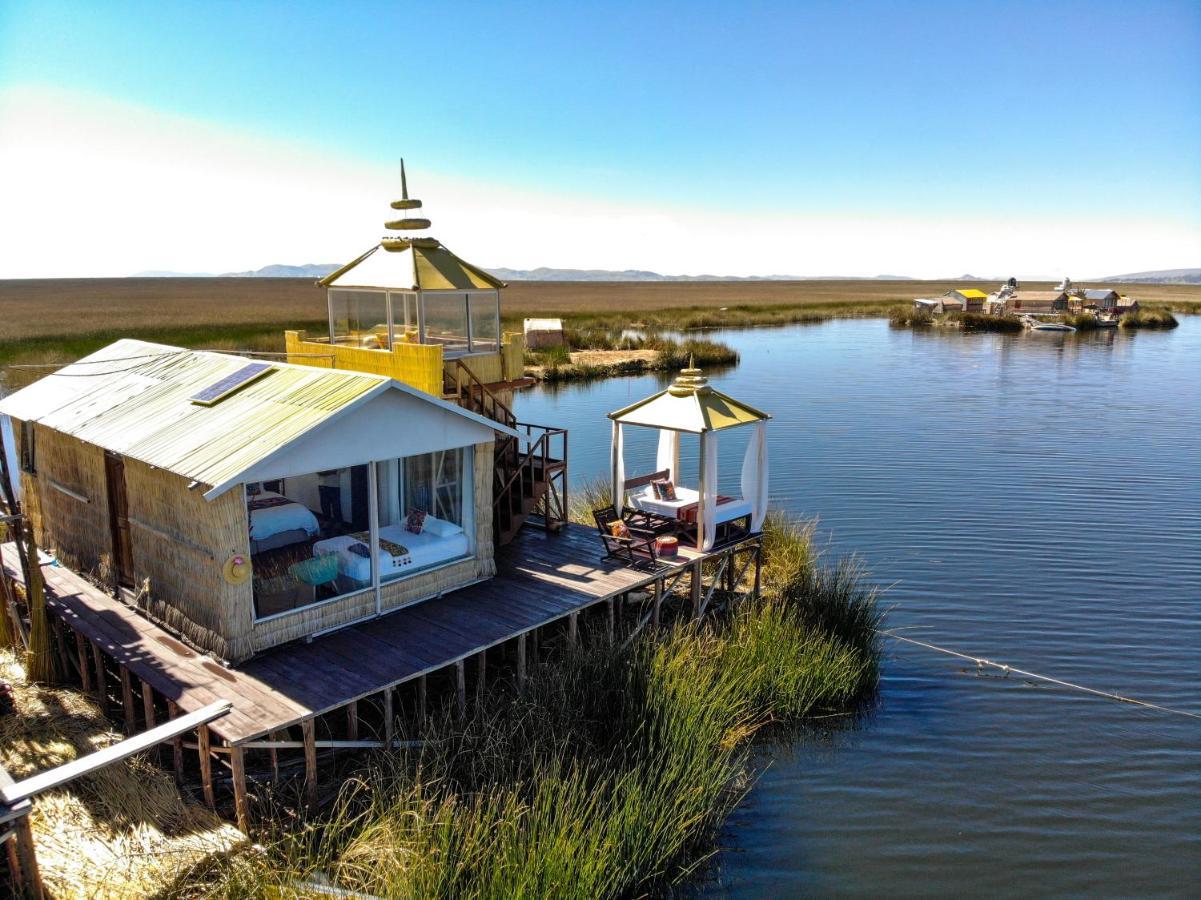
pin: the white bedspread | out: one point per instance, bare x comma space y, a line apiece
726, 512
272, 520
425, 550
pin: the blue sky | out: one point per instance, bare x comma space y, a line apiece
883, 111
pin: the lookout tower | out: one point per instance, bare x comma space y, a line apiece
411, 309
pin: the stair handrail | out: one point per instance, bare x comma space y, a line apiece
526, 464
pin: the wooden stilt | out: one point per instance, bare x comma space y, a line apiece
482, 671
758, 568
656, 604
149, 717
27, 859
352, 720
176, 744
422, 696
573, 628
461, 689
612, 613
308, 732
131, 722
521, 662
237, 766
275, 736
101, 685
85, 673
204, 751
696, 578
389, 719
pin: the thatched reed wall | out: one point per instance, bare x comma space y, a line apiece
180, 545
76, 531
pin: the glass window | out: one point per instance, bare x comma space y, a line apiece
309, 538
404, 317
446, 321
435, 488
359, 318
485, 321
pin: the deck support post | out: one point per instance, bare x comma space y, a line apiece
573, 628
176, 744
148, 715
758, 568
131, 723
23, 853
521, 662
389, 718
352, 720
101, 685
237, 765
696, 578
461, 689
422, 697
204, 750
611, 613
85, 673
482, 685
275, 736
308, 731
656, 604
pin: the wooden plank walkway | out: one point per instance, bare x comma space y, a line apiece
541, 577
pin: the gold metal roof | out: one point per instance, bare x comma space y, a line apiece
417, 264
689, 404
134, 398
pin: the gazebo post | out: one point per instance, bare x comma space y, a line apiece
700, 492
615, 451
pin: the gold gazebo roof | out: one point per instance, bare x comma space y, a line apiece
689, 404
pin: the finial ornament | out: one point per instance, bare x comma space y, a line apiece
406, 224
690, 381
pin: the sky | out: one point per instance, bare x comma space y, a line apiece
923, 139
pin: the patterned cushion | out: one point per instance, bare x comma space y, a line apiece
618, 528
415, 520
665, 490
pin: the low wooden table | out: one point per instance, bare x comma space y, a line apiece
667, 546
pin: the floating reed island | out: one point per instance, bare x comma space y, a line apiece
1010, 308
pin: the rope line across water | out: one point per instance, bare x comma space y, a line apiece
980, 661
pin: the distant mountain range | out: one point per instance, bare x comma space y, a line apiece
543, 273
1162, 276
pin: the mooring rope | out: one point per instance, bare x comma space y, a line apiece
980, 662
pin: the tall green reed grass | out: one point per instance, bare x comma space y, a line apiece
609, 776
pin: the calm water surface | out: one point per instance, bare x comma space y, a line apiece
1035, 500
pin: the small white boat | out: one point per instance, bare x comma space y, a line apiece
1035, 325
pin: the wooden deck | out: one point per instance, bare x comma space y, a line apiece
542, 577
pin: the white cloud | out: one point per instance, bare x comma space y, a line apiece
92, 187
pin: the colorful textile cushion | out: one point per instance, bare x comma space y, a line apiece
618, 528
415, 520
664, 490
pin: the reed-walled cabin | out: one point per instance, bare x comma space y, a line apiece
246, 504
411, 309
966, 299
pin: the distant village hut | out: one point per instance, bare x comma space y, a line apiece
1102, 298
966, 299
540, 333
1048, 302
247, 504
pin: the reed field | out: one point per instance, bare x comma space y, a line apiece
612, 773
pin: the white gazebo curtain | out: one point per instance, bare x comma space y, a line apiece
708, 489
754, 475
667, 457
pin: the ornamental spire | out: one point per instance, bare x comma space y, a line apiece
406, 223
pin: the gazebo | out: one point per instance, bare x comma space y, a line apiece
691, 406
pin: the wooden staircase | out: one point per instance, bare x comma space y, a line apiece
526, 483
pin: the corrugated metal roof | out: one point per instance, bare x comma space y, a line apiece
422, 265
132, 397
1099, 293
970, 293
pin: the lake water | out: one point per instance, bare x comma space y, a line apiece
1032, 499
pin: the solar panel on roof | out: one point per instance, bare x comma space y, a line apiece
219, 390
